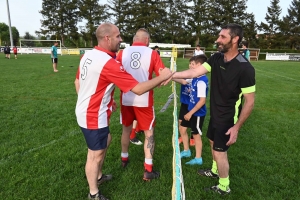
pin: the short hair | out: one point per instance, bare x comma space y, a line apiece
245, 43
192, 59
198, 45
235, 30
199, 59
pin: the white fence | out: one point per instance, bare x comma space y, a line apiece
282, 56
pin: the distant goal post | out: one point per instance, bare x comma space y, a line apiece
32, 49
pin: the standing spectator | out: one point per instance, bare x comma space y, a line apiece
140, 61
156, 48
15, 50
98, 75
8, 52
246, 51
231, 77
4, 51
54, 58
198, 51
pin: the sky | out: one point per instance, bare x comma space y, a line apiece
25, 16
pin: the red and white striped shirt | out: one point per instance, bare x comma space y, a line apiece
140, 61
98, 75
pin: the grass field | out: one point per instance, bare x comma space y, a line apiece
43, 152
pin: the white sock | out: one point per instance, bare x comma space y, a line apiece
148, 161
124, 155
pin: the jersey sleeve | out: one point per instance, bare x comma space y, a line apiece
247, 80
201, 89
78, 72
156, 62
119, 56
115, 73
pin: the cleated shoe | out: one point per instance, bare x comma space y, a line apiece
150, 175
195, 161
207, 173
136, 141
97, 196
185, 154
216, 189
104, 178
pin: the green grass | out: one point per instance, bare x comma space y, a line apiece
43, 151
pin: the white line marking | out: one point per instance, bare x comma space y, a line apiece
10, 157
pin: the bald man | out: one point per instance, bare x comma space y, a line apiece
141, 62
98, 75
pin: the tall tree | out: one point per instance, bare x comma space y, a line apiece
291, 24
94, 14
198, 21
15, 35
4, 34
271, 28
148, 14
177, 18
250, 31
121, 10
59, 18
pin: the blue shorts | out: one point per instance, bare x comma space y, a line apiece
96, 139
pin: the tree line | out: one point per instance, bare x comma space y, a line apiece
168, 21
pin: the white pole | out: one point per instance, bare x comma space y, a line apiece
10, 33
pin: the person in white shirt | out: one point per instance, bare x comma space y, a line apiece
198, 51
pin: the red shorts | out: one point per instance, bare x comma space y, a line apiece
145, 116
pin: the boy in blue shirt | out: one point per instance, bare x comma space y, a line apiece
196, 111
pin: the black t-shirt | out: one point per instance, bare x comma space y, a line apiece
228, 79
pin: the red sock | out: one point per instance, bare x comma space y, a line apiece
132, 134
148, 167
124, 159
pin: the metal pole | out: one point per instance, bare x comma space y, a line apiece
9, 25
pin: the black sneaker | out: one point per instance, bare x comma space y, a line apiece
150, 175
124, 163
97, 196
207, 173
136, 141
216, 189
104, 178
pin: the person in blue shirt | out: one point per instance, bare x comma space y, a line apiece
246, 51
197, 111
195, 115
54, 58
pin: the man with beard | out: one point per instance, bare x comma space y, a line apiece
98, 75
231, 77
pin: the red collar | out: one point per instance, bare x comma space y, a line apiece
112, 54
139, 44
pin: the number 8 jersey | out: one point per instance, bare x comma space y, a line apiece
140, 61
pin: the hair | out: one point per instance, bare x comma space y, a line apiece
142, 32
198, 45
199, 59
245, 43
235, 30
192, 59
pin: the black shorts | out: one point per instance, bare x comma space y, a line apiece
196, 124
96, 139
216, 133
54, 60
183, 111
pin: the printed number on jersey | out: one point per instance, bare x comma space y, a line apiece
135, 60
83, 74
